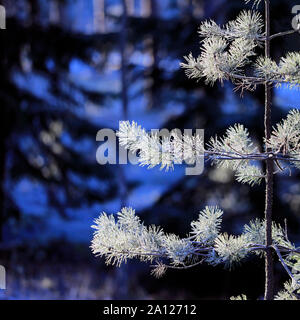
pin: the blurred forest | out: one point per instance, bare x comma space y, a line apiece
70, 68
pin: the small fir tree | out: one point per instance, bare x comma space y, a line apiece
228, 53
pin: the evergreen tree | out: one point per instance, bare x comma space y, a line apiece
227, 53
42, 122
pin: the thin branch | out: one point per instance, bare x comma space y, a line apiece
184, 267
222, 155
289, 250
284, 264
282, 34
253, 80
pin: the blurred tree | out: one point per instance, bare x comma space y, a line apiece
42, 125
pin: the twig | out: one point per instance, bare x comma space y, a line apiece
282, 34
184, 267
284, 264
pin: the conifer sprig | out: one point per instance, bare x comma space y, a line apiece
126, 237
219, 60
227, 50
247, 25
235, 150
165, 151
286, 72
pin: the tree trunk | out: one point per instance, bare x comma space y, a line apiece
155, 88
145, 8
99, 16
54, 12
4, 128
191, 8
122, 275
123, 41
130, 7
2, 176
124, 93
269, 272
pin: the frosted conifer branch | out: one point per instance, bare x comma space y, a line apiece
219, 59
237, 140
292, 261
193, 67
295, 278
227, 50
255, 233
255, 2
126, 237
235, 150
159, 269
285, 137
207, 228
287, 71
231, 249
248, 25
240, 297
165, 151
249, 174
290, 292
